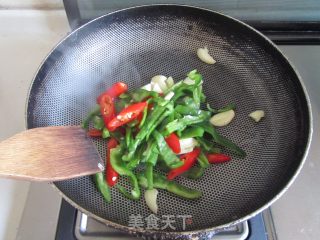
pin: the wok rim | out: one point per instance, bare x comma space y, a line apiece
214, 229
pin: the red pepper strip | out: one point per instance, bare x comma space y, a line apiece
107, 108
173, 142
218, 158
94, 133
139, 117
115, 91
126, 115
189, 160
111, 174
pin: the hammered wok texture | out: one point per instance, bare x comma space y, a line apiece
135, 44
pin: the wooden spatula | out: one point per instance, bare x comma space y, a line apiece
49, 154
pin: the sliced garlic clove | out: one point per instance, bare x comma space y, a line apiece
151, 199
161, 81
203, 54
222, 119
187, 145
156, 88
169, 96
169, 82
147, 87
257, 115
186, 150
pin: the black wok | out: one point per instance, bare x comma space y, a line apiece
134, 44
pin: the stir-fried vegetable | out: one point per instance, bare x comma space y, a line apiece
94, 112
115, 91
161, 182
174, 143
102, 186
111, 174
126, 115
189, 160
159, 127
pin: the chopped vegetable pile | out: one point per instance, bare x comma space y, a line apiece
158, 128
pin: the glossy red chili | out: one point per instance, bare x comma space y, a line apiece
111, 174
218, 158
107, 108
94, 133
173, 142
189, 160
139, 117
115, 91
126, 115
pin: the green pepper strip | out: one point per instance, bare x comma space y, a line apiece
128, 136
161, 182
98, 123
182, 123
173, 87
145, 130
194, 75
183, 191
137, 157
166, 153
195, 131
95, 111
182, 88
189, 102
224, 109
222, 140
102, 186
105, 133
168, 112
186, 110
202, 98
150, 155
195, 172
149, 175
124, 96
203, 160
206, 145
196, 96
120, 167
140, 94
144, 117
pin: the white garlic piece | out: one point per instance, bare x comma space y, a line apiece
169, 96
222, 119
203, 54
169, 82
147, 87
161, 81
151, 199
187, 145
156, 88
257, 115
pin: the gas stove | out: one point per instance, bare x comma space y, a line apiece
75, 225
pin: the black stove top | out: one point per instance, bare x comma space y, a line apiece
74, 225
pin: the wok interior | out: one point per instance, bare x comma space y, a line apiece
134, 45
